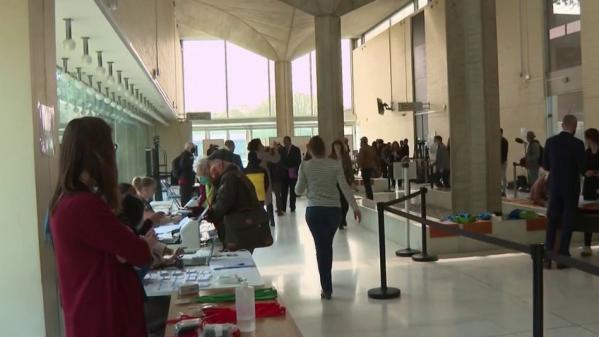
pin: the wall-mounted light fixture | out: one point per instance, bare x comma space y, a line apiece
68, 44
110, 80
86, 59
100, 70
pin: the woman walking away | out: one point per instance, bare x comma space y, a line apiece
100, 296
591, 179
340, 153
318, 179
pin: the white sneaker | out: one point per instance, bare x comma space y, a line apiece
586, 251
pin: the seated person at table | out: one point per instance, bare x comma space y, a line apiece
235, 192
146, 188
131, 215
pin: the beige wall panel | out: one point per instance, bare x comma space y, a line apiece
167, 44
590, 62
372, 79
173, 137
436, 68
137, 21
520, 37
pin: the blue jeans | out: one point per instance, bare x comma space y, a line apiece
323, 223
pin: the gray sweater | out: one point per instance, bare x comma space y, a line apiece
318, 179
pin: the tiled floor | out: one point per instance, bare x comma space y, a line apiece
461, 297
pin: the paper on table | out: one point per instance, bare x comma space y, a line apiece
171, 227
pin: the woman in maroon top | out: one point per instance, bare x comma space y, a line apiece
100, 296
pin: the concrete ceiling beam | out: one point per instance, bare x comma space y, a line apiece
327, 7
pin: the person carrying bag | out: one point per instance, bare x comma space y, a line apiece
236, 206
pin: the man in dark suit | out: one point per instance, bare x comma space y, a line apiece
230, 145
291, 158
564, 158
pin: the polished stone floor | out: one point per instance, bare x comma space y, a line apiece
455, 297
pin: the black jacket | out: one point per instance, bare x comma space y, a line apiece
235, 193
504, 149
291, 158
186, 167
564, 158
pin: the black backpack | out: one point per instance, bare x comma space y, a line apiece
541, 151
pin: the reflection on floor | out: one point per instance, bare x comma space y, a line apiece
462, 297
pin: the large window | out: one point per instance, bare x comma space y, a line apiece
564, 34
204, 80
303, 70
227, 80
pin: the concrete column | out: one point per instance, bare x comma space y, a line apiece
590, 63
473, 105
27, 77
284, 98
328, 77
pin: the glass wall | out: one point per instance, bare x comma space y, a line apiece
130, 130
227, 80
303, 77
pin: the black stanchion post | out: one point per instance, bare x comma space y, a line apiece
537, 252
384, 292
408, 252
423, 257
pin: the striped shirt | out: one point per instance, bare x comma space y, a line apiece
318, 179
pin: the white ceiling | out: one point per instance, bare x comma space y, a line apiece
271, 28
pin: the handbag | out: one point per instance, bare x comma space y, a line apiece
247, 230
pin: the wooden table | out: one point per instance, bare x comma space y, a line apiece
265, 327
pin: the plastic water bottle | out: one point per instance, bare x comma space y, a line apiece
245, 305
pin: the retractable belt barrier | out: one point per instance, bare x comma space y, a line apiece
536, 251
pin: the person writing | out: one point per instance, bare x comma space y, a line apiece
100, 296
146, 188
318, 179
564, 158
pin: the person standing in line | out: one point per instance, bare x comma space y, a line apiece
406, 147
319, 178
564, 158
591, 180
187, 176
291, 157
533, 157
100, 296
504, 151
266, 155
339, 152
442, 164
367, 164
230, 145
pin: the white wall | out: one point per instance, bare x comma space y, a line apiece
379, 63
29, 305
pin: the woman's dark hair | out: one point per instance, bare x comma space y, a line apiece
333, 154
592, 134
132, 211
87, 147
253, 158
316, 147
395, 146
254, 144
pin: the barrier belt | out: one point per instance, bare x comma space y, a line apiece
456, 230
574, 263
